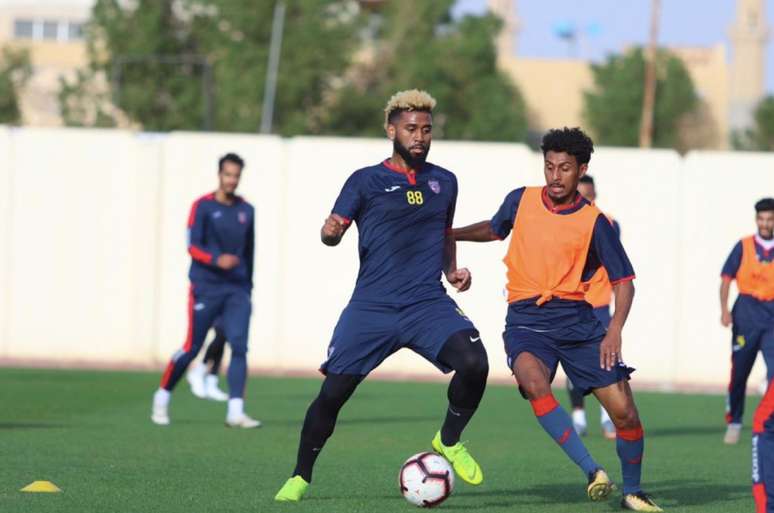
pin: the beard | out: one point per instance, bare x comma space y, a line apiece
414, 162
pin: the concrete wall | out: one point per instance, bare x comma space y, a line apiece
93, 266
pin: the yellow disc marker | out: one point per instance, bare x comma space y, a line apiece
41, 487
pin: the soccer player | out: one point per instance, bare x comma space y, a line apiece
750, 264
203, 377
220, 242
763, 452
403, 208
599, 296
558, 242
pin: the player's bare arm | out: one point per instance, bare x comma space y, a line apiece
610, 348
333, 230
478, 232
725, 314
460, 279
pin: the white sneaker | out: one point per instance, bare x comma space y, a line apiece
211, 390
579, 422
159, 413
732, 434
195, 377
243, 421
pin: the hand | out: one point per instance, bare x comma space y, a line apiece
334, 227
725, 319
227, 262
610, 350
460, 279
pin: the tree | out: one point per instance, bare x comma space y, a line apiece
613, 108
15, 71
420, 45
157, 54
761, 135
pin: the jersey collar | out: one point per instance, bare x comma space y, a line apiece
410, 174
576, 204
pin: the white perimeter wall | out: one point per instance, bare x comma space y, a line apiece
93, 264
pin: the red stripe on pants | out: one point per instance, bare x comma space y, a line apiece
759, 494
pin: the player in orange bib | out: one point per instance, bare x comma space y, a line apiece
599, 296
750, 264
558, 241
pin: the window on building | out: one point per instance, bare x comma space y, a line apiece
75, 31
23, 29
50, 29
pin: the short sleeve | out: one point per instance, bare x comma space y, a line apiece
350, 198
734, 260
503, 220
616, 227
610, 252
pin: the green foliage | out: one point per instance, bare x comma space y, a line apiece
157, 53
761, 135
613, 108
419, 45
319, 89
15, 71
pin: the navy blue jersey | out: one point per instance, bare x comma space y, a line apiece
570, 320
214, 229
747, 309
402, 221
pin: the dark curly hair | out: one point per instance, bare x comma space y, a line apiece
569, 140
231, 157
765, 205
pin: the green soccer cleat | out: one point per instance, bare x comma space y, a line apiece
464, 464
639, 501
600, 485
292, 491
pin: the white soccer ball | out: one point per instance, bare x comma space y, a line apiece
426, 479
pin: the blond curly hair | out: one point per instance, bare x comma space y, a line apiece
409, 100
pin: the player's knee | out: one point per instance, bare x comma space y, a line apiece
626, 419
535, 387
335, 391
474, 366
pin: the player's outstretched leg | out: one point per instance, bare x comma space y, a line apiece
617, 399
578, 410
465, 353
199, 323
319, 424
763, 454
534, 380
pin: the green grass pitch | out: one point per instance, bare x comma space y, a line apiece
90, 433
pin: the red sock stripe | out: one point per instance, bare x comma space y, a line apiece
630, 435
759, 494
544, 405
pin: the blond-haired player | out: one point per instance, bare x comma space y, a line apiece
404, 208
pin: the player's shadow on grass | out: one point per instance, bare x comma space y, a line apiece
30, 425
671, 493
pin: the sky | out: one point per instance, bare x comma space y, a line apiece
616, 24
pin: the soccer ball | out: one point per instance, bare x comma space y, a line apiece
426, 479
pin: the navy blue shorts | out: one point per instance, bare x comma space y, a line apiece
579, 359
367, 333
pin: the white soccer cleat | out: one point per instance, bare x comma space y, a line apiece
243, 421
160, 414
195, 377
211, 390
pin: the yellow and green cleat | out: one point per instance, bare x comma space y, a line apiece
639, 501
292, 491
464, 464
600, 485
